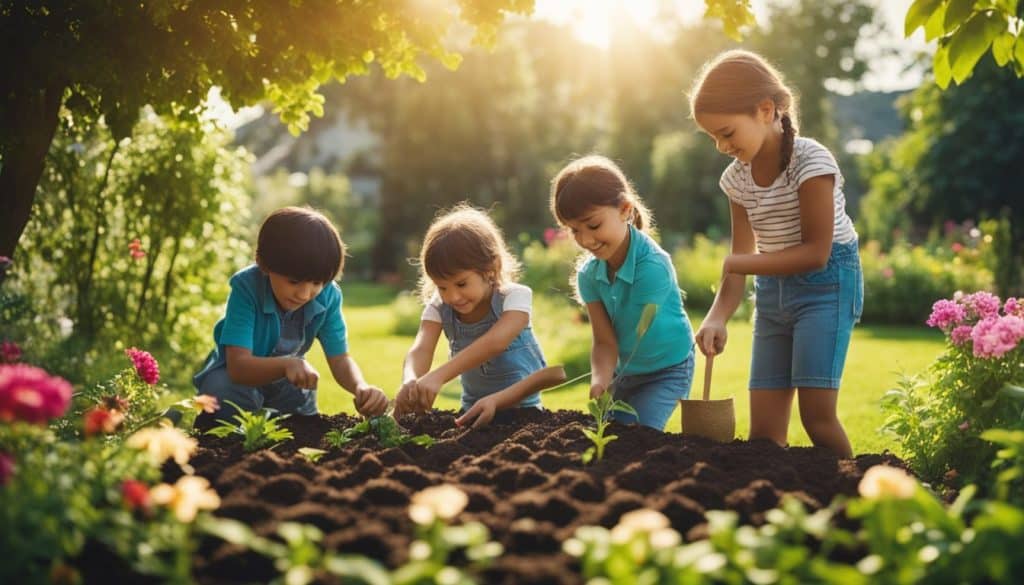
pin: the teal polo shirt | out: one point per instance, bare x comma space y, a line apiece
251, 320
646, 276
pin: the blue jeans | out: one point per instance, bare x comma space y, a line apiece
654, 395
281, 395
803, 323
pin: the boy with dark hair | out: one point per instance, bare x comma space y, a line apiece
276, 308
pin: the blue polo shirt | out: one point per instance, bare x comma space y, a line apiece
252, 321
646, 276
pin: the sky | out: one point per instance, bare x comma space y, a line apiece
593, 20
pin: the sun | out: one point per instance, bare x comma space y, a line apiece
593, 21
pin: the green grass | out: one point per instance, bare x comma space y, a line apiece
877, 357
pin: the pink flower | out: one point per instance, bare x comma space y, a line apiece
964, 426
982, 304
101, 420
995, 336
552, 235
6, 467
957, 247
1014, 307
9, 352
945, 314
888, 272
29, 394
145, 365
135, 494
135, 249
961, 334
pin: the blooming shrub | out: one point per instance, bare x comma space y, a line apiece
31, 395
64, 500
938, 420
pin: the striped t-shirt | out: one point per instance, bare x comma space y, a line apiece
774, 211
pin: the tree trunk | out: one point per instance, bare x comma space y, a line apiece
32, 120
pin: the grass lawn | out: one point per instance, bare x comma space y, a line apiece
877, 357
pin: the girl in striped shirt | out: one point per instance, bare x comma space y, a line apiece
791, 231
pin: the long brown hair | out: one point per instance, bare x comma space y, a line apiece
595, 181
464, 238
736, 82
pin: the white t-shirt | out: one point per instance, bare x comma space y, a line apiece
774, 211
518, 297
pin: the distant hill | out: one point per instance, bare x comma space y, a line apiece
867, 115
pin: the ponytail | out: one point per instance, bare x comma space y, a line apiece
788, 137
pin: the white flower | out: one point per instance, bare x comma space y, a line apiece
163, 442
665, 538
883, 481
186, 497
440, 501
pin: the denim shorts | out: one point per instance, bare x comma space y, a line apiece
281, 395
654, 395
803, 323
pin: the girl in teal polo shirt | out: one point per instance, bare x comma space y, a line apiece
275, 310
623, 270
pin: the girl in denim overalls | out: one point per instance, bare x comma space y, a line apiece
789, 229
623, 271
466, 283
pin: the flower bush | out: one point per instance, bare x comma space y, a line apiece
699, 268
64, 501
939, 419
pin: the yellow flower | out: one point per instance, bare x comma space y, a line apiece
163, 442
439, 501
186, 497
883, 481
205, 403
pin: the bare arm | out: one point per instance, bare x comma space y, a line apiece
816, 226
421, 354
369, 400
488, 345
249, 370
604, 354
733, 285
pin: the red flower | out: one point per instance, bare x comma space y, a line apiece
135, 494
135, 249
102, 420
145, 365
29, 394
6, 467
9, 352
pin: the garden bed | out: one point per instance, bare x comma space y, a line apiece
525, 482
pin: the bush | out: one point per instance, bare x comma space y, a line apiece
900, 285
550, 269
940, 420
130, 243
699, 269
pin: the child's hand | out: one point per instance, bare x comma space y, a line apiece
403, 400
301, 373
425, 393
482, 411
711, 337
596, 390
370, 401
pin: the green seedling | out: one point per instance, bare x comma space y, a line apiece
312, 454
259, 430
603, 406
601, 409
386, 430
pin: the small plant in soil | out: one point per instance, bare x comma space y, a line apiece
259, 430
386, 430
601, 409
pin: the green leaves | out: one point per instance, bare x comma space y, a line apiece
600, 409
735, 15
258, 430
966, 29
385, 428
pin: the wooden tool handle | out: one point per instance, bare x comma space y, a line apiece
708, 363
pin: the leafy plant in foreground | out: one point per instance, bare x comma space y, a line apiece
601, 409
258, 430
383, 427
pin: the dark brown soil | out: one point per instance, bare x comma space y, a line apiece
525, 481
